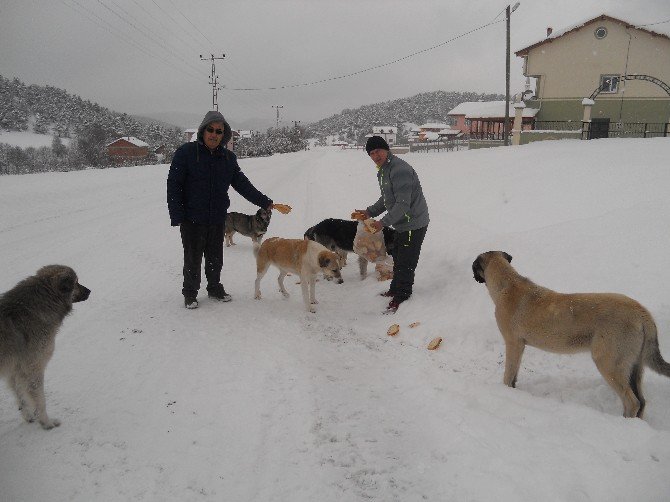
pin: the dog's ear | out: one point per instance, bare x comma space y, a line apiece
324, 260
477, 270
66, 282
508, 257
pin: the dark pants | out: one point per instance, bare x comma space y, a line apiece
199, 240
405, 259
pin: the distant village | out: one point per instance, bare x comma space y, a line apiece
581, 91
578, 86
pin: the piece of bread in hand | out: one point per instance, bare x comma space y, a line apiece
282, 208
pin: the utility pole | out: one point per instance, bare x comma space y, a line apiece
508, 13
214, 80
277, 107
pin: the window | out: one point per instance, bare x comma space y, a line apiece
600, 33
609, 83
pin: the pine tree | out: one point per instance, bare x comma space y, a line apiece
57, 147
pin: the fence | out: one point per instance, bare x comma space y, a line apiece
447, 146
492, 135
637, 130
557, 125
604, 129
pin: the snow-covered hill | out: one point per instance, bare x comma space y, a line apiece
258, 400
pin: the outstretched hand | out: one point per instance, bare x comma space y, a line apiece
360, 214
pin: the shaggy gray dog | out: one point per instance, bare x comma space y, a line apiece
30, 315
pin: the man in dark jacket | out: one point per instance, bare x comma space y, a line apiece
406, 211
201, 173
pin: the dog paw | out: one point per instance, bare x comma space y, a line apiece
285, 293
314, 302
257, 296
50, 424
312, 310
27, 415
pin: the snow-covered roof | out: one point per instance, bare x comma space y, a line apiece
130, 139
434, 125
384, 130
449, 132
559, 33
488, 109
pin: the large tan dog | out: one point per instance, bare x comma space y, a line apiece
30, 315
299, 256
619, 332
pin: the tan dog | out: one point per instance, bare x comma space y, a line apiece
619, 332
299, 256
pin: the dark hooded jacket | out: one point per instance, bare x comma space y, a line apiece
198, 181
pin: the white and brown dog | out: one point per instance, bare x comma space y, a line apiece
298, 256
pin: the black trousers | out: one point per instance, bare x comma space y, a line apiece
198, 241
405, 259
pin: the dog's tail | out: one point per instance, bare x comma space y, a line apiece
652, 353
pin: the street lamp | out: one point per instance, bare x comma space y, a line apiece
508, 13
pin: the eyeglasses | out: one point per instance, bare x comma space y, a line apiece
211, 130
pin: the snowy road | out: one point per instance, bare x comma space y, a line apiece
258, 400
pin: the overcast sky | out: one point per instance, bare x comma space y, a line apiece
143, 56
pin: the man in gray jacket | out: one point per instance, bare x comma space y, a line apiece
406, 211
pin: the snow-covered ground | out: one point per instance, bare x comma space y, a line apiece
258, 400
25, 139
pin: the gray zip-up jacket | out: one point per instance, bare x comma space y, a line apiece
402, 196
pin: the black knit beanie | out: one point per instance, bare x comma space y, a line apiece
375, 142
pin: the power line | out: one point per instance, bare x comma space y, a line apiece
124, 38
172, 32
133, 26
376, 67
189, 22
172, 19
652, 24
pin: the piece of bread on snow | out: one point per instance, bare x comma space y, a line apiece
435, 343
393, 330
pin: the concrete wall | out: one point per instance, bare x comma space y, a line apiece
627, 110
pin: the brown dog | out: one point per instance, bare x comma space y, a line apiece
299, 256
619, 332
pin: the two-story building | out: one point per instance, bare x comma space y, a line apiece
389, 133
623, 68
